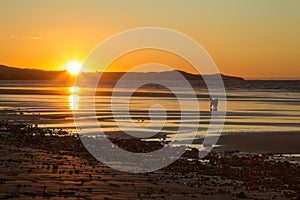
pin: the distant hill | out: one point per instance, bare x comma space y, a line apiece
12, 73
166, 75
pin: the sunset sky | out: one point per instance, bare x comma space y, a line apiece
252, 39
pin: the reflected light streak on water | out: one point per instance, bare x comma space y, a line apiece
74, 102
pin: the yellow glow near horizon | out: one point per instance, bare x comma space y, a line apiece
74, 67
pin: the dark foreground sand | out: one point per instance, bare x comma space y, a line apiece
52, 167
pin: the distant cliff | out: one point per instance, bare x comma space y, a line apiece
12, 73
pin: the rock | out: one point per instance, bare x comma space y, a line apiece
242, 195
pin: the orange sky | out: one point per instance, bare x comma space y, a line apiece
252, 39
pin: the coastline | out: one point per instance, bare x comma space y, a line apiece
249, 161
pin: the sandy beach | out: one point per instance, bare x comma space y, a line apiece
256, 157
57, 167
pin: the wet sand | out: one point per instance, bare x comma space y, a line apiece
57, 167
262, 142
258, 125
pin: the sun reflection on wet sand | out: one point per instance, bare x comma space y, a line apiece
74, 89
74, 98
74, 102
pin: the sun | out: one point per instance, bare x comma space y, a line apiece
73, 67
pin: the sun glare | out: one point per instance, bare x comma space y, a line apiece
74, 67
74, 89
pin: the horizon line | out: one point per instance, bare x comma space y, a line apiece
248, 78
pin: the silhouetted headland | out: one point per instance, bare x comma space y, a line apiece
13, 73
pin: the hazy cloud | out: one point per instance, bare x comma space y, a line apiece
13, 37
